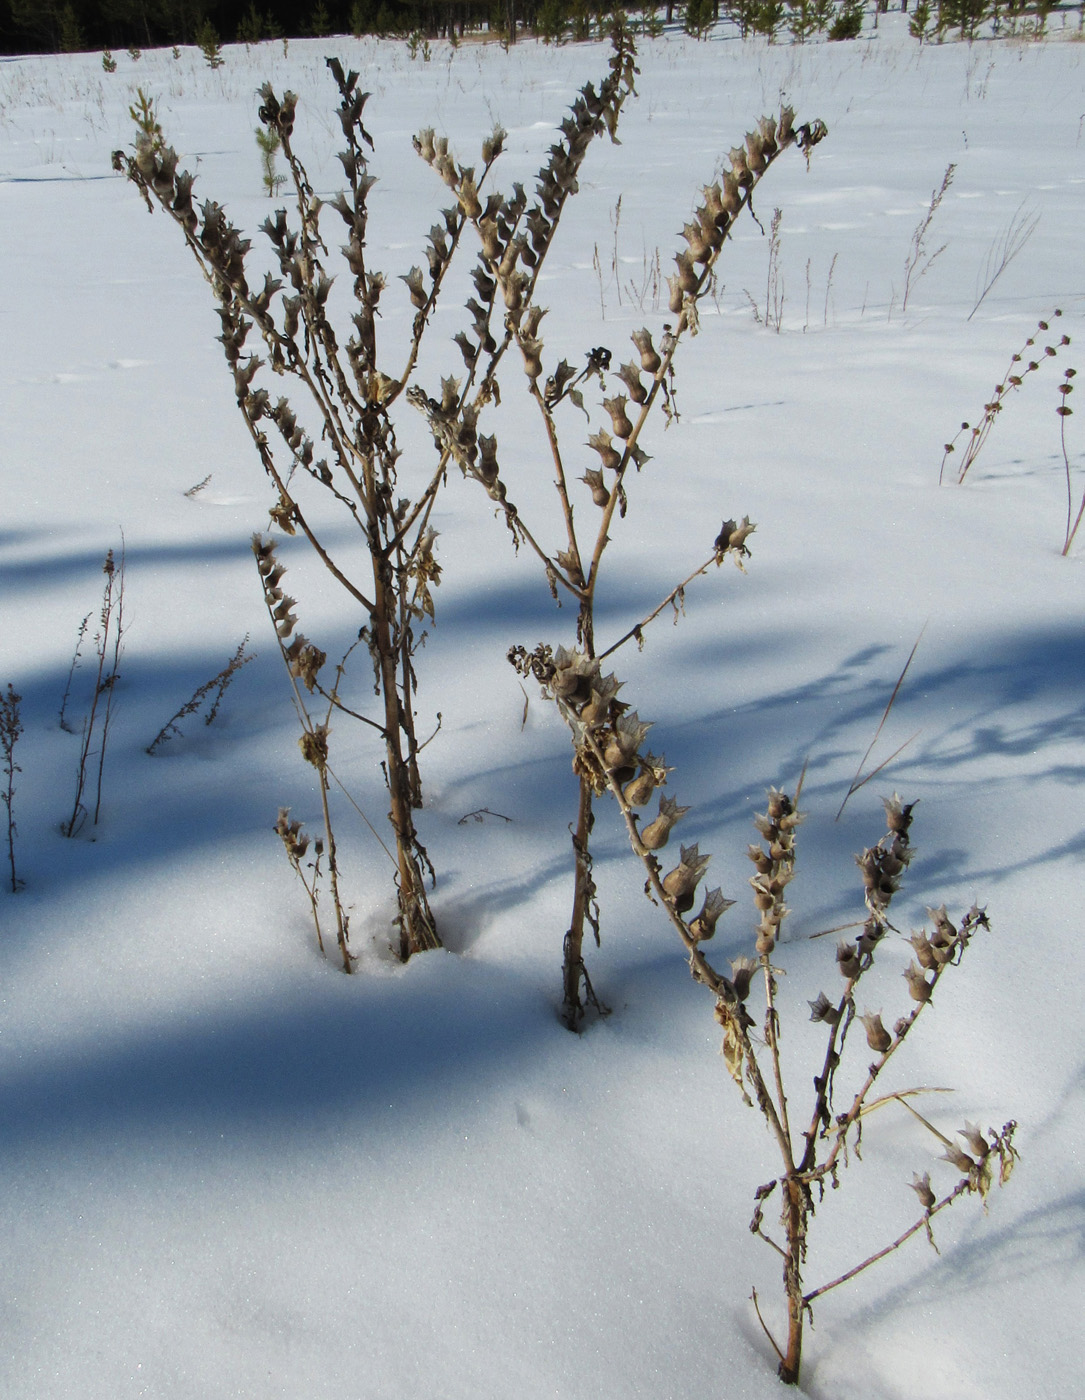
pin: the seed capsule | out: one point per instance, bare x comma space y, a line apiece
654, 836
921, 1185
919, 989
703, 926
619, 419
649, 360
680, 883
847, 960
877, 1037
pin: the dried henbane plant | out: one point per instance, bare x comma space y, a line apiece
815, 1145
350, 393
573, 568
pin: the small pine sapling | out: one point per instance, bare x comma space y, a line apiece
207, 40
269, 142
144, 112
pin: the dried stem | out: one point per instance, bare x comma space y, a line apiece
108, 639
857, 782
11, 727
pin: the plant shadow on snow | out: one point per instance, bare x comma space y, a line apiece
1016, 697
337, 1056
1047, 1241
83, 566
297, 1060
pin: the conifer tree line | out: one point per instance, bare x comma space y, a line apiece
58, 26
71, 26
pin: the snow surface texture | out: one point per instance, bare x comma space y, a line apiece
228, 1170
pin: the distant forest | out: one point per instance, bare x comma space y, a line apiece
68, 26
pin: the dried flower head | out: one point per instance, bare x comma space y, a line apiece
919, 989
823, 1010
655, 835
703, 926
681, 882
921, 1185
877, 1037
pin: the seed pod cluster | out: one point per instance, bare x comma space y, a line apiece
455, 430
883, 865
725, 198
292, 836
303, 659
514, 239
774, 862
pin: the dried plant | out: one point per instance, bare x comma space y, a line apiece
11, 726
352, 397
108, 646
1003, 250
1020, 367
216, 687
610, 748
1066, 388
296, 844
304, 662
774, 287
572, 570
80, 634
861, 779
919, 260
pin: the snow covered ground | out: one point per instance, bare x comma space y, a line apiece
227, 1169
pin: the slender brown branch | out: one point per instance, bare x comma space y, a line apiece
559, 472
924, 1221
638, 627
765, 1329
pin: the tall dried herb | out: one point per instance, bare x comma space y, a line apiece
815, 1147
647, 383
349, 394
